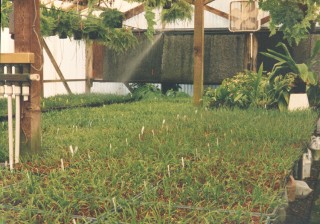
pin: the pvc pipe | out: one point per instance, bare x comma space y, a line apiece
17, 93
25, 92
1, 90
8, 91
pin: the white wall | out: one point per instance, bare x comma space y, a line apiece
70, 57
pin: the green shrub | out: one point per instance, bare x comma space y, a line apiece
243, 90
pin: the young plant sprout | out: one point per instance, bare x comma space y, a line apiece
152, 133
127, 142
71, 150
62, 165
114, 204
145, 184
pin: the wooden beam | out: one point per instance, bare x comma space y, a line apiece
198, 52
27, 34
134, 12
56, 66
208, 1
216, 12
211, 9
17, 58
265, 20
67, 80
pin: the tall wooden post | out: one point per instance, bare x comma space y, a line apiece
27, 39
89, 66
198, 52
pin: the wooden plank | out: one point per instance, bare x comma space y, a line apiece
134, 11
15, 78
98, 58
67, 80
27, 34
17, 58
211, 9
216, 12
56, 66
198, 52
265, 20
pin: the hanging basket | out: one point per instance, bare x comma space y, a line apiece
93, 35
63, 35
77, 35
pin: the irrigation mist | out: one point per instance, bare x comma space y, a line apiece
135, 62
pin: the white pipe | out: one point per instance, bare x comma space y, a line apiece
25, 92
251, 46
1, 90
17, 92
8, 91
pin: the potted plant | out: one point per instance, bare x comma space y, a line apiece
64, 27
77, 26
47, 22
112, 18
93, 28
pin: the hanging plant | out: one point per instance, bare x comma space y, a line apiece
77, 26
93, 28
119, 39
47, 22
64, 27
178, 10
112, 18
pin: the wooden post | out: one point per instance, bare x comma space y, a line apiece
198, 52
89, 65
27, 39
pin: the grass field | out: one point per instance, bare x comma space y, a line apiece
156, 161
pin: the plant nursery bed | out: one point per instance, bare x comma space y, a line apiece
158, 161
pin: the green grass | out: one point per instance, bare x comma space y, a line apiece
130, 156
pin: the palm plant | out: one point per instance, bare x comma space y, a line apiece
305, 78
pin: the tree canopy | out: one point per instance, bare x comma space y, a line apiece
294, 18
